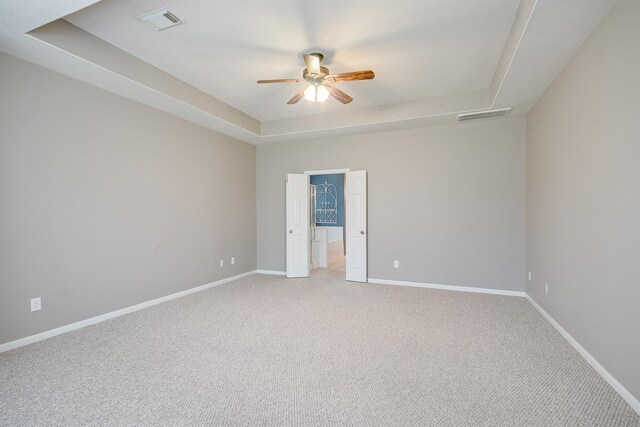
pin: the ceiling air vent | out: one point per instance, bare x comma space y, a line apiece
483, 114
160, 19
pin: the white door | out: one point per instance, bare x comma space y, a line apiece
297, 202
356, 225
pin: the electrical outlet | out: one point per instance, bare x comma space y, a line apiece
233, 260
529, 276
546, 288
36, 304
396, 264
221, 263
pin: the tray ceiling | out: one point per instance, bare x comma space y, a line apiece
433, 59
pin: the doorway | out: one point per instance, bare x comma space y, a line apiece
327, 222
305, 234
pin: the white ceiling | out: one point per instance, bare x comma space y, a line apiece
432, 58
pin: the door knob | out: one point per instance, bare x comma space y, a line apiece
290, 231
361, 231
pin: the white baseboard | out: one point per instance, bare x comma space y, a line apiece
272, 272
619, 388
448, 287
101, 318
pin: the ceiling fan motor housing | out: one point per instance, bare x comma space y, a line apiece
315, 78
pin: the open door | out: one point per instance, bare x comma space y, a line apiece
297, 207
356, 225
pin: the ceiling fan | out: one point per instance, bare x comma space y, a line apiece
318, 81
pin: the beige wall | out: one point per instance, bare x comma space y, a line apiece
583, 196
446, 201
105, 203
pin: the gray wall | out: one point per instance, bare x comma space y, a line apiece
583, 196
105, 203
446, 201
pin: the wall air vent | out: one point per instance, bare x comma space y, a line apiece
160, 19
486, 114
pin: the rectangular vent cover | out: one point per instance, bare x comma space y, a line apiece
160, 19
483, 114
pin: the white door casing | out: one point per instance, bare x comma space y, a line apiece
297, 221
356, 225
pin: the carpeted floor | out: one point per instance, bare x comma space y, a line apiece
265, 350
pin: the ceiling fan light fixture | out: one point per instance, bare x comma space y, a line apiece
316, 93
310, 93
322, 94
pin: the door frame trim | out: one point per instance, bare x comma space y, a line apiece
327, 172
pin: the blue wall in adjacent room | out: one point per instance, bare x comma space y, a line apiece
338, 181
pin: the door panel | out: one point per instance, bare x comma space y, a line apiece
356, 226
297, 222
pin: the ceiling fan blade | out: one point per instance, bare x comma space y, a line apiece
352, 76
313, 63
279, 81
338, 94
297, 97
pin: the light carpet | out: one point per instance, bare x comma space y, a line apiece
265, 350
